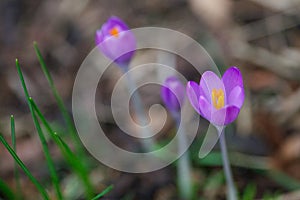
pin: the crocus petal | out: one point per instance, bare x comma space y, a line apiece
232, 78
193, 93
219, 100
205, 108
236, 97
112, 22
173, 93
208, 82
119, 48
179, 91
224, 115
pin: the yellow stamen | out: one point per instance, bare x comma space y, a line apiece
218, 99
114, 32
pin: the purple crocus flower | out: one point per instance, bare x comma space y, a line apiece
116, 41
173, 93
218, 100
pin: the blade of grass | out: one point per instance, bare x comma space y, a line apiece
59, 101
104, 192
284, 180
214, 181
249, 192
258, 163
16, 171
24, 168
6, 191
49, 160
237, 159
73, 160
65, 114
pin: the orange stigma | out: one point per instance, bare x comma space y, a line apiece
218, 99
114, 32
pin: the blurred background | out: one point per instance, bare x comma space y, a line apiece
262, 38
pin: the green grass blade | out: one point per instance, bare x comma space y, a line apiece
104, 192
258, 163
24, 168
236, 159
74, 162
249, 192
16, 171
66, 116
42, 63
63, 110
284, 180
214, 181
80, 169
53, 174
49, 160
59, 101
6, 191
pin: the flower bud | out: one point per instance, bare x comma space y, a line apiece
173, 93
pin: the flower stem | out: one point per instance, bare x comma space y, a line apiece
148, 143
183, 168
231, 191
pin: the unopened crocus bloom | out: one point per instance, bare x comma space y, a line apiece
173, 96
218, 100
116, 41
173, 93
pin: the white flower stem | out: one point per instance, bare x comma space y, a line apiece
231, 191
148, 143
183, 168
